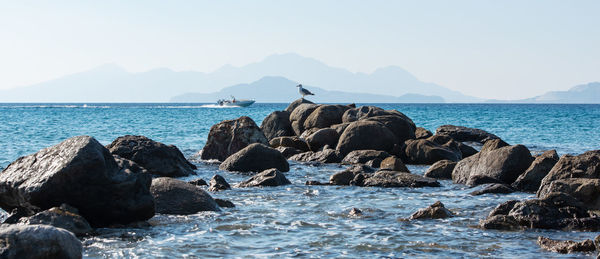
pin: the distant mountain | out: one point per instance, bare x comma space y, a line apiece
280, 89
586, 93
110, 83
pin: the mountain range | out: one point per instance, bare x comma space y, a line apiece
585, 93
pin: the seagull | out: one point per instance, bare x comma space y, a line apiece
303, 91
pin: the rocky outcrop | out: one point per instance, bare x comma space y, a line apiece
324, 156
364, 112
296, 103
586, 165
462, 134
299, 115
434, 211
228, 137
441, 169
321, 138
293, 142
277, 124
65, 217
583, 189
255, 158
422, 133
38, 241
531, 179
399, 179
366, 135
494, 188
156, 157
363, 156
502, 165
423, 151
84, 174
347, 176
177, 197
270, 177
218, 183
400, 125
567, 246
324, 116
393, 163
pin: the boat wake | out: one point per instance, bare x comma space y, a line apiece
217, 106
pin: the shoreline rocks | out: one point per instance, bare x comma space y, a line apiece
436, 210
269, 177
38, 241
177, 197
230, 136
465, 134
255, 158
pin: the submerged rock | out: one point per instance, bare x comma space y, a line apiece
434, 211
65, 217
441, 169
38, 241
255, 158
218, 183
270, 177
531, 179
462, 134
354, 212
84, 174
228, 137
177, 197
277, 124
566, 247
224, 203
155, 157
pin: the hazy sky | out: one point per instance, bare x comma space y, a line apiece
490, 49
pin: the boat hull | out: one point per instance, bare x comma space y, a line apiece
240, 103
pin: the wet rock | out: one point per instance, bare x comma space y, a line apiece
293, 142
354, 212
494, 188
393, 163
401, 126
287, 152
422, 133
503, 208
277, 124
270, 177
156, 157
255, 158
198, 182
441, 169
583, 189
296, 103
586, 165
361, 135
18, 213
399, 179
313, 182
462, 134
324, 156
422, 151
363, 156
567, 246
321, 138
177, 197
38, 241
299, 115
501, 165
434, 211
81, 172
325, 116
500, 222
346, 176
228, 137
218, 183
224, 203
65, 217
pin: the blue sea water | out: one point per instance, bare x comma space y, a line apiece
309, 221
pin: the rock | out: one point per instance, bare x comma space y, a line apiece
466, 150
422, 151
363, 156
462, 134
494, 188
65, 217
177, 197
502, 165
586, 165
346, 176
399, 179
325, 116
84, 174
228, 137
287, 152
299, 115
296, 103
293, 142
18, 213
312, 182
339, 128
531, 179
501, 222
503, 208
156, 157
493, 144
277, 124
198, 182
375, 163
354, 212
362, 135
224, 203
321, 138
218, 183
364, 112
583, 189
270, 177
324, 156
441, 169
38, 241
566, 247
401, 126
422, 133
393, 163
434, 211
255, 158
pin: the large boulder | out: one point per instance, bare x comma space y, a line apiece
323, 156
255, 158
177, 197
462, 134
299, 115
531, 179
155, 157
399, 179
277, 124
402, 127
393, 163
321, 138
364, 112
458, 147
441, 169
38, 242
583, 189
586, 165
293, 142
84, 174
346, 176
502, 165
228, 137
363, 156
295, 104
366, 135
65, 217
269, 177
339, 128
325, 116
423, 151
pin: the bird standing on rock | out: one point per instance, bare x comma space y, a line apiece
303, 91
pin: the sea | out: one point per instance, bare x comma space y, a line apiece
310, 221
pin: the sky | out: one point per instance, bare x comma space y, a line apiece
488, 49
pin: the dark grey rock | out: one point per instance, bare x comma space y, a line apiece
228, 137
218, 183
65, 217
37, 242
567, 246
277, 124
399, 179
361, 135
462, 134
295, 104
441, 169
324, 156
299, 115
293, 142
324, 116
531, 179
363, 156
346, 176
494, 188
225, 203
422, 133
177, 197
434, 211
423, 151
321, 138
586, 165
288, 152
198, 182
255, 158
270, 177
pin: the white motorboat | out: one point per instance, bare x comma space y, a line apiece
235, 102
